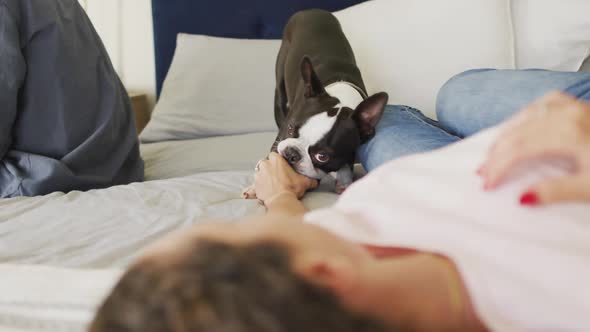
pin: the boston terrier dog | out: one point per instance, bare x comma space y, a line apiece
322, 107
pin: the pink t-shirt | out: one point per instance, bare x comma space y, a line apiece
526, 269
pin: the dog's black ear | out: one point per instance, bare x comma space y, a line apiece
368, 114
313, 85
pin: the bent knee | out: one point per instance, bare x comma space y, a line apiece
456, 90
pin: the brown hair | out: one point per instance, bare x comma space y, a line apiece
224, 288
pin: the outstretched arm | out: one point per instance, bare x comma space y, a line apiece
280, 187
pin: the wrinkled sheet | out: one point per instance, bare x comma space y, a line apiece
60, 254
190, 182
106, 228
49, 299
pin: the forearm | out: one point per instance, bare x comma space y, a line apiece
286, 204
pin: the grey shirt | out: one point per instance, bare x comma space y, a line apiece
65, 118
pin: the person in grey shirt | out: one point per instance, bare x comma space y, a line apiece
65, 118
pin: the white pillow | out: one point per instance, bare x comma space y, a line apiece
410, 48
215, 87
551, 34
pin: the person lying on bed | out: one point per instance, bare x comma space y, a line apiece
479, 99
65, 117
371, 263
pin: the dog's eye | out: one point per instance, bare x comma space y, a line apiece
291, 130
322, 157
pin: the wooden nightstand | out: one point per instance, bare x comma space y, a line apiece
141, 108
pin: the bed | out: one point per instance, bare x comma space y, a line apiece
187, 181
60, 253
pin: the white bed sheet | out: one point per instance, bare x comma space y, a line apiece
61, 253
106, 228
171, 159
48, 299
189, 182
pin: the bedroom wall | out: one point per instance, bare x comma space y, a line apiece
126, 29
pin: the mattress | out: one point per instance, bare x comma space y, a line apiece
61, 253
188, 182
49, 299
72, 248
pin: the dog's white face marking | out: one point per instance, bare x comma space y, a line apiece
318, 126
314, 129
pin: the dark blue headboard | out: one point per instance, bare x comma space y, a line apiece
254, 19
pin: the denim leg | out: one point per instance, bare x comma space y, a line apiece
402, 131
478, 99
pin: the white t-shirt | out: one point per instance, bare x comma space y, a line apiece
526, 269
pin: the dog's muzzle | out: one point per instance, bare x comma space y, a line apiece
292, 155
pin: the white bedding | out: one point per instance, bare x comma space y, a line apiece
189, 181
106, 228
46, 241
170, 159
48, 299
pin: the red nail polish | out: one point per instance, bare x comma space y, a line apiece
529, 199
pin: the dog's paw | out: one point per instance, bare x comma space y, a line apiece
340, 187
249, 193
344, 178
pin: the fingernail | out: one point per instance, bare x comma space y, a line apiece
529, 199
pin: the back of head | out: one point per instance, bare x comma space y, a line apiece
222, 287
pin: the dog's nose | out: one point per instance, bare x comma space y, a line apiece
292, 155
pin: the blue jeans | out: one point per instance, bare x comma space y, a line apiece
467, 103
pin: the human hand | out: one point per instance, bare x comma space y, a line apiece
275, 177
556, 126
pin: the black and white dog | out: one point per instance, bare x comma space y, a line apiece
321, 105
